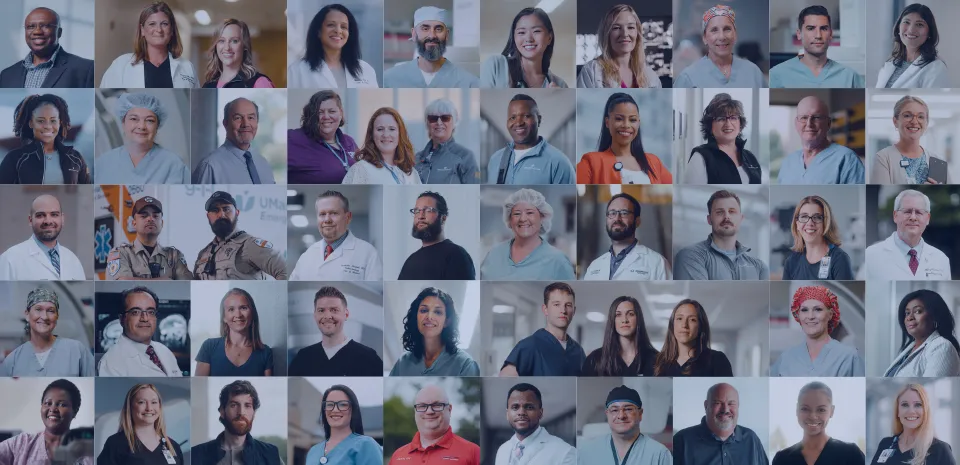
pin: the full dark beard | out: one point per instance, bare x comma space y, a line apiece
430, 233
432, 54
239, 426
46, 236
624, 233
223, 227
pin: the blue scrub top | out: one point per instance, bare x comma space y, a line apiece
546, 262
353, 450
704, 74
836, 164
541, 354
457, 364
834, 360
796, 75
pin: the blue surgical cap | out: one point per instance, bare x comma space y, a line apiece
126, 102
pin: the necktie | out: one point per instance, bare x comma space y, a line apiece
153, 358
327, 251
914, 263
55, 260
518, 454
251, 168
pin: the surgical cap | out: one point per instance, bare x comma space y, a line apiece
533, 198
126, 102
431, 13
719, 10
821, 294
42, 295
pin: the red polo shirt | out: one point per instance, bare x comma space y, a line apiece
450, 449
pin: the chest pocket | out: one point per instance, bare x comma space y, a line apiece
227, 261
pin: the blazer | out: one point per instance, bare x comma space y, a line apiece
935, 357
597, 168
69, 71
886, 168
930, 75
25, 165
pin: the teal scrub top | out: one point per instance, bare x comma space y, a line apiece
796, 75
354, 450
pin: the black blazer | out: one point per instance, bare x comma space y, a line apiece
69, 71
25, 165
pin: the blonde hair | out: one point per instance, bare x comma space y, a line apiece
831, 234
253, 329
925, 432
126, 419
898, 107
175, 46
608, 65
215, 66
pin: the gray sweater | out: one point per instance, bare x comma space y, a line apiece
703, 260
68, 357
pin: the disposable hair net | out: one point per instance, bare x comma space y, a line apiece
534, 198
126, 102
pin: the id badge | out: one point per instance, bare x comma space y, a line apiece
167, 455
824, 268
884, 456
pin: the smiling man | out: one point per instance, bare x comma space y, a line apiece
718, 439
443, 160
820, 161
549, 351
438, 258
431, 32
136, 353
435, 443
239, 403
721, 256
42, 256
531, 444
905, 256
624, 445
528, 158
145, 258
235, 162
47, 64
627, 259
812, 68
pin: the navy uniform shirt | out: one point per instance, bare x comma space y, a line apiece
697, 445
541, 354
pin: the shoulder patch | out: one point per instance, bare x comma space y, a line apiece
114, 254
113, 266
263, 243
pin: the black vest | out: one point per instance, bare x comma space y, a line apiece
722, 170
237, 81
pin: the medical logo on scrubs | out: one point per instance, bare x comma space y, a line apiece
263, 243
113, 266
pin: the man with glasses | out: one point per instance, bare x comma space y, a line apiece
145, 259
627, 259
235, 254
47, 64
434, 443
136, 353
718, 439
819, 161
905, 256
438, 258
531, 444
443, 160
339, 255
429, 69
624, 445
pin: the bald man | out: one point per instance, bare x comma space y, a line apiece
47, 64
42, 257
819, 161
718, 439
435, 443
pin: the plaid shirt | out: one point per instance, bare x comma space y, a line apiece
36, 74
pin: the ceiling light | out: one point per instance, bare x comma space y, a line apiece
549, 5
232, 1
663, 298
596, 317
291, 193
502, 309
202, 17
299, 221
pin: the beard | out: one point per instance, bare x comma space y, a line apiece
48, 235
222, 227
717, 231
628, 231
431, 54
238, 426
428, 234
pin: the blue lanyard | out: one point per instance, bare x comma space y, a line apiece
395, 178
343, 160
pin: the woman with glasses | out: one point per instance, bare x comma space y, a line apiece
817, 310
142, 436
816, 252
345, 443
930, 348
238, 351
724, 158
914, 440
906, 161
44, 353
431, 334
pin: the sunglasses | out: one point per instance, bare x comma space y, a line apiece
444, 118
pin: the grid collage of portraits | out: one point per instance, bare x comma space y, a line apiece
657, 232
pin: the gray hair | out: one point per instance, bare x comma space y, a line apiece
898, 107
443, 106
913, 193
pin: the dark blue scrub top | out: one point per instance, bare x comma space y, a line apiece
541, 354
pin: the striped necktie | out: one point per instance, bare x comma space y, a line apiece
55, 260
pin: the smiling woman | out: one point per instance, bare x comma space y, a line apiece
42, 123
431, 337
59, 404
142, 437
231, 59
239, 351
816, 252
343, 429
46, 354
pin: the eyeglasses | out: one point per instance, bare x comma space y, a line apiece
437, 407
909, 116
731, 119
913, 212
342, 406
816, 119
150, 313
434, 118
803, 219
615, 213
615, 411
430, 210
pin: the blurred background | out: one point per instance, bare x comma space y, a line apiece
76, 19
846, 204
688, 106
366, 204
365, 325
655, 393
753, 411
399, 394
463, 41
655, 130
197, 21
848, 420
882, 398
883, 15
753, 32
848, 18
497, 17
785, 332
461, 227
690, 217
562, 235
271, 308
79, 104
75, 317
207, 106
779, 127
305, 411
558, 124
369, 16
399, 296
76, 204
656, 221
940, 138
173, 319
269, 423
738, 313
173, 136
884, 336
657, 29
21, 401
559, 411
175, 397
941, 232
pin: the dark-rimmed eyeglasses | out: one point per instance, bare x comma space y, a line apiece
436, 407
803, 219
615, 213
430, 210
342, 406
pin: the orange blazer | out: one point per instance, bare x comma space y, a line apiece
597, 168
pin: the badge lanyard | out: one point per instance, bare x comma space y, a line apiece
395, 178
886, 454
167, 455
345, 160
824, 268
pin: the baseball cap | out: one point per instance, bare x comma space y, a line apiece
220, 197
144, 201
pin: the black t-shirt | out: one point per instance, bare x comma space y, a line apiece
797, 266
157, 77
709, 363
353, 359
116, 451
441, 261
834, 452
642, 365
940, 453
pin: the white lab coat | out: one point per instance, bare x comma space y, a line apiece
541, 448
932, 75
122, 73
299, 76
354, 260
27, 261
641, 264
885, 262
129, 358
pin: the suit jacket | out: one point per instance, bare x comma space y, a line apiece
935, 357
69, 71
